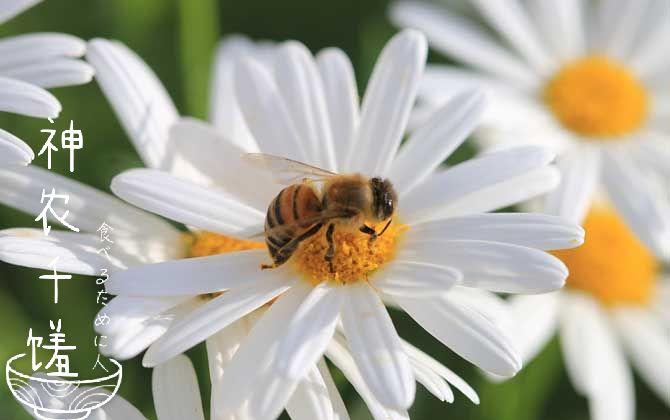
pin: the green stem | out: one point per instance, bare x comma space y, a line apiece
199, 32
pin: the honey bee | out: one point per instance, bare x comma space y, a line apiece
301, 210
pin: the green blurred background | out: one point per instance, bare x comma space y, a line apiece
176, 38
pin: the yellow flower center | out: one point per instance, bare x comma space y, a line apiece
612, 265
596, 97
355, 257
204, 244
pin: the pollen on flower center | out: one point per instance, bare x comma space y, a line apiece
612, 265
204, 244
355, 256
596, 97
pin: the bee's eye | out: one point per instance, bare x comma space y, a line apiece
388, 205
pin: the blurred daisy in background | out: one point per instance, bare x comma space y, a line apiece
307, 109
616, 305
28, 65
590, 79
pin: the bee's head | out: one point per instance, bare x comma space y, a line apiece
384, 198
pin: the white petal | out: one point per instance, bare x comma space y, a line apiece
80, 250
138, 98
309, 331
512, 118
128, 311
562, 24
419, 357
462, 40
175, 390
618, 26
191, 276
339, 409
136, 250
249, 374
299, 82
435, 140
310, 399
658, 116
75, 252
433, 383
388, 99
11, 8
486, 183
130, 342
638, 196
662, 301
208, 151
648, 345
532, 230
118, 408
465, 331
265, 111
207, 208
494, 266
416, 279
224, 112
653, 151
133, 333
341, 93
22, 188
13, 151
50, 73
26, 99
214, 316
580, 175
33, 47
340, 355
221, 347
488, 304
513, 23
594, 360
651, 55
376, 347
45, 59
534, 322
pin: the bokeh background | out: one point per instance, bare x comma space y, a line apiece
177, 38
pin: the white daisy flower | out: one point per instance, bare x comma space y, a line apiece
307, 109
614, 307
590, 79
29, 64
141, 238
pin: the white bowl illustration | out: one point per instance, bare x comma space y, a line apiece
57, 398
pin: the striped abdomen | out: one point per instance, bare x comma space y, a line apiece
293, 205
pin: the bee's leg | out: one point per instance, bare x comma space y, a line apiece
285, 252
370, 231
330, 254
385, 227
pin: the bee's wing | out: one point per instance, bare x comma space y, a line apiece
287, 171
